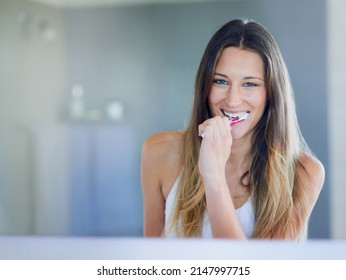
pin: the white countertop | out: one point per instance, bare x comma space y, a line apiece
111, 248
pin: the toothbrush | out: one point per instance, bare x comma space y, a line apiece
234, 120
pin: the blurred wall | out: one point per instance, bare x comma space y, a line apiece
32, 83
147, 57
337, 114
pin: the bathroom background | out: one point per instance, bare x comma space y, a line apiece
83, 83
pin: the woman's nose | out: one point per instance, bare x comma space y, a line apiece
234, 97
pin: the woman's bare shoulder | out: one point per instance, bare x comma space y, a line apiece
161, 153
164, 143
312, 173
168, 137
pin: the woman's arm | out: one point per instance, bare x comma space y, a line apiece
214, 153
153, 200
311, 174
222, 214
159, 169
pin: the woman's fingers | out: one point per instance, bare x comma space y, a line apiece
214, 127
215, 147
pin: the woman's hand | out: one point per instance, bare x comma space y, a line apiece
215, 148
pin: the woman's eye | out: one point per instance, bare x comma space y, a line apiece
249, 84
220, 82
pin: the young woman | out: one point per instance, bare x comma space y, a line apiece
241, 169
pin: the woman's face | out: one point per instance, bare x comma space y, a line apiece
238, 90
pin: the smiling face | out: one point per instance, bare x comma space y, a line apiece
238, 90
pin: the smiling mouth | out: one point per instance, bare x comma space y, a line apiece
236, 118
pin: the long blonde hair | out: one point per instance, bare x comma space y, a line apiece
277, 142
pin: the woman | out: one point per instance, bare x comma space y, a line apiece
242, 168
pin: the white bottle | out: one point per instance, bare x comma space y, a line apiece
77, 106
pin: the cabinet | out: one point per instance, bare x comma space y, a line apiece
87, 180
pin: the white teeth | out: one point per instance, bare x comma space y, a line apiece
241, 116
244, 116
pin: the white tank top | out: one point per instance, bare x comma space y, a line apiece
245, 214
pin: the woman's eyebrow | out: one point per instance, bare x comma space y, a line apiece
245, 78
253, 78
222, 75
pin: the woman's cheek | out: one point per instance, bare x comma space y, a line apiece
215, 97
